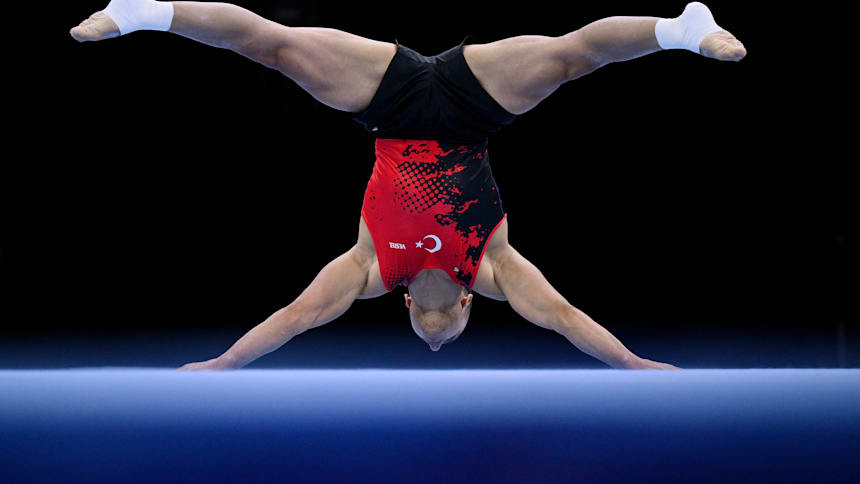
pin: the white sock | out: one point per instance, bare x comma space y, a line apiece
688, 30
131, 15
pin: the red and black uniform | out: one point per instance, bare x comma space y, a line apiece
432, 201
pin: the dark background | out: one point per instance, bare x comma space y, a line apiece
171, 195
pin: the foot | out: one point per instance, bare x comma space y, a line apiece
98, 27
122, 17
722, 46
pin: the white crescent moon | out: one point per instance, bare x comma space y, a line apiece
438, 243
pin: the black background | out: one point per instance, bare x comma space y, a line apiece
172, 195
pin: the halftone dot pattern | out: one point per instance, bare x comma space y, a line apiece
396, 275
426, 180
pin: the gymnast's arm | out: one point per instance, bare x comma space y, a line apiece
531, 295
330, 294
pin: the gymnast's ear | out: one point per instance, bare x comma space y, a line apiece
465, 300
408, 300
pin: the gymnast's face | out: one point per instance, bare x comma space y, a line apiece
443, 325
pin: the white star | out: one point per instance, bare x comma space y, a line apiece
418, 245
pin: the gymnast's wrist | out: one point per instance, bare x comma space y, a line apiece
227, 362
628, 362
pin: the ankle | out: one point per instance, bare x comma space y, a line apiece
687, 30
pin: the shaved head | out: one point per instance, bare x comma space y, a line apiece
443, 323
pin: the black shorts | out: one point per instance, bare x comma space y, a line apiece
434, 98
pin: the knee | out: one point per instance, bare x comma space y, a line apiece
270, 46
578, 56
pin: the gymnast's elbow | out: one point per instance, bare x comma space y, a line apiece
293, 319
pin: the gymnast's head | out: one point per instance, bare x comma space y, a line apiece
439, 316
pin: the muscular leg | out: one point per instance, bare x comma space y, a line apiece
520, 72
337, 68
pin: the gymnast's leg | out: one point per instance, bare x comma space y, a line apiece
337, 68
520, 72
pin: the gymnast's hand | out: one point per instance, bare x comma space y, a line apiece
643, 364
213, 364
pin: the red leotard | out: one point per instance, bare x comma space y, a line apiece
429, 205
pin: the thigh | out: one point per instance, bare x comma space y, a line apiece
520, 72
339, 69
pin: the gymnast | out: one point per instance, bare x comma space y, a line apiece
432, 218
